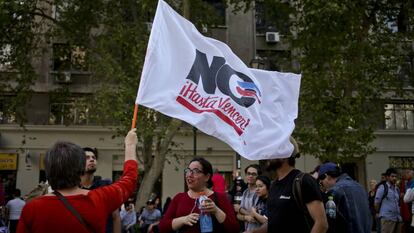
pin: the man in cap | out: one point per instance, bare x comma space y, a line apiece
286, 213
349, 196
150, 218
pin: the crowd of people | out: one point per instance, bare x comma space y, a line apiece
285, 200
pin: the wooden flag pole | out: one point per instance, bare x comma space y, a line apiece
134, 118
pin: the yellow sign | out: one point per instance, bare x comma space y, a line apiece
8, 161
42, 162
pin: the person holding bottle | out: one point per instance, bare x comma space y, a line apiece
352, 208
183, 214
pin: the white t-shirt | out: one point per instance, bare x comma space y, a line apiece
15, 207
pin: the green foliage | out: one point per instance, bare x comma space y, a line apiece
111, 39
17, 40
349, 57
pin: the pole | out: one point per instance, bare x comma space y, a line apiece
134, 118
186, 9
194, 141
186, 14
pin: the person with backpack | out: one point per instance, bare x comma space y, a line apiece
377, 218
294, 203
387, 203
249, 198
352, 207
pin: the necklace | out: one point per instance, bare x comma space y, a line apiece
195, 195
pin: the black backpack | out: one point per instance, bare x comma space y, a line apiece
298, 196
339, 224
384, 195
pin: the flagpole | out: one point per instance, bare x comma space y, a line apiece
134, 118
186, 14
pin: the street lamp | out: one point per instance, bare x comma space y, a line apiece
194, 141
258, 63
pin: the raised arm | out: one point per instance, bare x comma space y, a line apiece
131, 141
117, 193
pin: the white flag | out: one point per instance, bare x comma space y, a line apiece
201, 81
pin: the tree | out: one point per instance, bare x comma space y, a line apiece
17, 40
350, 54
110, 39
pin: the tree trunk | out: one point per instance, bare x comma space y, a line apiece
154, 170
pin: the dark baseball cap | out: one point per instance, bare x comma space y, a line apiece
327, 167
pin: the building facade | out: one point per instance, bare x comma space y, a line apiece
22, 149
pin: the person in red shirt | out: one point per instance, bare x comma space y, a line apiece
219, 184
65, 163
183, 212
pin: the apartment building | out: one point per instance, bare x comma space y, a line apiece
258, 44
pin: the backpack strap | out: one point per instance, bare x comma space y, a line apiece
384, 195
298, 196
71, 209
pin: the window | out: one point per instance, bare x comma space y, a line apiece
269, 20
399, 116
57, 10
5, 53
276, 60
220, 10
7, 114
401, 162
261, 24
405, 71
68, 58
72, 112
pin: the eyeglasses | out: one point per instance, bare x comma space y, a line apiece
322, 177
251, 174
194, 171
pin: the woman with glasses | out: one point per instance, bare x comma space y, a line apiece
183, 213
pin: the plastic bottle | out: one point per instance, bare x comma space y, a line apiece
238, 195
330, 207
206, 223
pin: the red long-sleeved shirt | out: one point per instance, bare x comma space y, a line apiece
183, 205
48, 214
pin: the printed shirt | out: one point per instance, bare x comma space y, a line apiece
284, 214
249, 199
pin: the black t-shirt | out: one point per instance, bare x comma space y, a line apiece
284, 214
